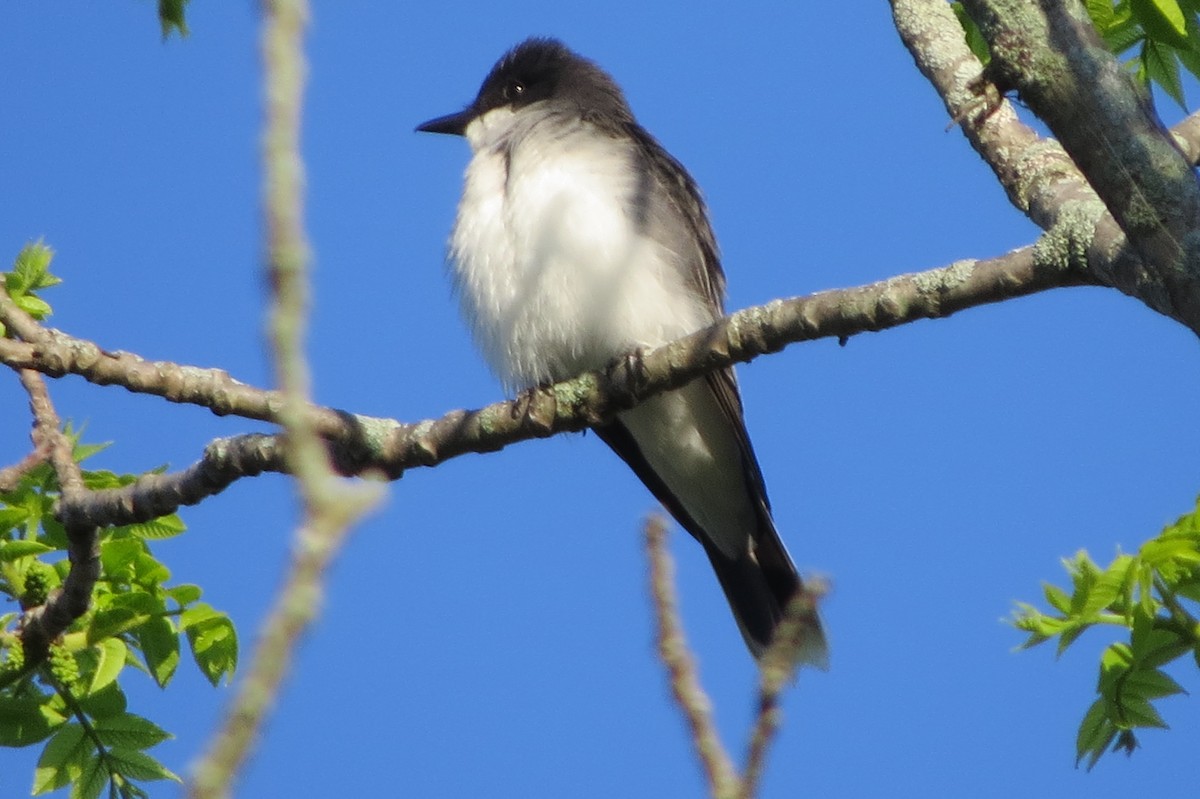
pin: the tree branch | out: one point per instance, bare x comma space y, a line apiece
1051, 54
1038, 175
776, 670
55, 353
330, 507
10, 476
723, 779
1035, 172
41, 625
391, 447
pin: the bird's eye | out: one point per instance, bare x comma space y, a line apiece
513, 89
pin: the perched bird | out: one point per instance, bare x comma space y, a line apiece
579, 239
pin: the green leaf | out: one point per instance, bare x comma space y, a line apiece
160, 647
1138, 712
130, 731
110, 621
26, 721
185, 593
105, 703
1116, 658
1110, 586
197, 614
1123, 34
1152, 684
1162, 67
12, 517
1163, 20
117, 556
976, 42
1096, 732
91, 780
1114, 667
1055, 596
1189, 590
111, 653
34, 306
162, 527
1152, 647
148, 571
1127, 742
1166, 550
1101, 12
31, 270
137, 765
61, 759
81, 452
1068, 637
1084, 573
100, 479
1041, 628
213, 640
1148, 605
12, 550
1158, 63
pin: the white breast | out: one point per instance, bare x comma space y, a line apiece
551, 270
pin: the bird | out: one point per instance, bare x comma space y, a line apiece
579, 240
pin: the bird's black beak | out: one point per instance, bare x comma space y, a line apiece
455, 124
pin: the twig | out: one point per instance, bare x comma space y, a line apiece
723, 778
10, 476
777, 667
329, 508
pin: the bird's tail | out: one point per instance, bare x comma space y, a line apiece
758, 587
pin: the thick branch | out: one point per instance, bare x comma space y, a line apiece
1051, 54
1035, 172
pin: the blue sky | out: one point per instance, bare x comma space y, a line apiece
488, 632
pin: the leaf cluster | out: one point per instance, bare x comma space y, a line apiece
29, 275
137, 622
1152, 597
171, 16
1165, 33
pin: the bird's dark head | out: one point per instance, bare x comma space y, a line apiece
539, 71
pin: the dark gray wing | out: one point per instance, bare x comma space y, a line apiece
759, 578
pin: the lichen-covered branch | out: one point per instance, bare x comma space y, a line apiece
1050, 53
1035, 172
390, 447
